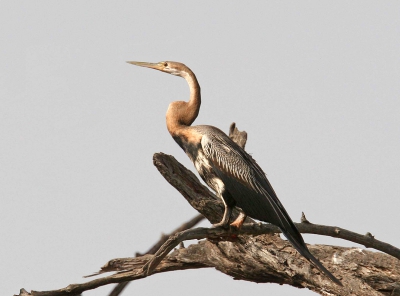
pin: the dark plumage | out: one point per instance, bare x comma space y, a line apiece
229, 170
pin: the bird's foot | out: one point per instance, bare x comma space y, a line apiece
239, 220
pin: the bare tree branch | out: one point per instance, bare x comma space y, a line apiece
265, 258
119, 288
258, 229
254, 253
187, 225
239, 137
251, 250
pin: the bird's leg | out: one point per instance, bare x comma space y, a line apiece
228, 201
225, 219
239, 220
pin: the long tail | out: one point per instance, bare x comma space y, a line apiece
301, 247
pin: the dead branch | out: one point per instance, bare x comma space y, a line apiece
264, 258
239, 137
254, 253
258, 229
187, 225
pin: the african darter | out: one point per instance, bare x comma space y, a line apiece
232, 173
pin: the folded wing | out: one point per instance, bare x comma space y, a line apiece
246, 182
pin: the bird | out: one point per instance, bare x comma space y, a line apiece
224, 166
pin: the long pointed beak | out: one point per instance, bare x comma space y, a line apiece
156, 66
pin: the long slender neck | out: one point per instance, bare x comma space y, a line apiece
182, 114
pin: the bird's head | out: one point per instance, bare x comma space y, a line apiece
174, 68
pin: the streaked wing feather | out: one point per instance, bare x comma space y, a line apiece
246, 181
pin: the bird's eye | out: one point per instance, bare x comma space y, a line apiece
165, 64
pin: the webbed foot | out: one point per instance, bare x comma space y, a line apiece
239, 220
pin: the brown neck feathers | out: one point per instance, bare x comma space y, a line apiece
182, 114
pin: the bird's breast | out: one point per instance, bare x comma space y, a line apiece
207, 173
201, 162
190, 141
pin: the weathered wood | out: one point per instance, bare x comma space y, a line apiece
267, 258
187, 225
239, 137
264, 258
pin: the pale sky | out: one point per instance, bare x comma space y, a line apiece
314, 83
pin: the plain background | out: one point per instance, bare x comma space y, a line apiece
314, 83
